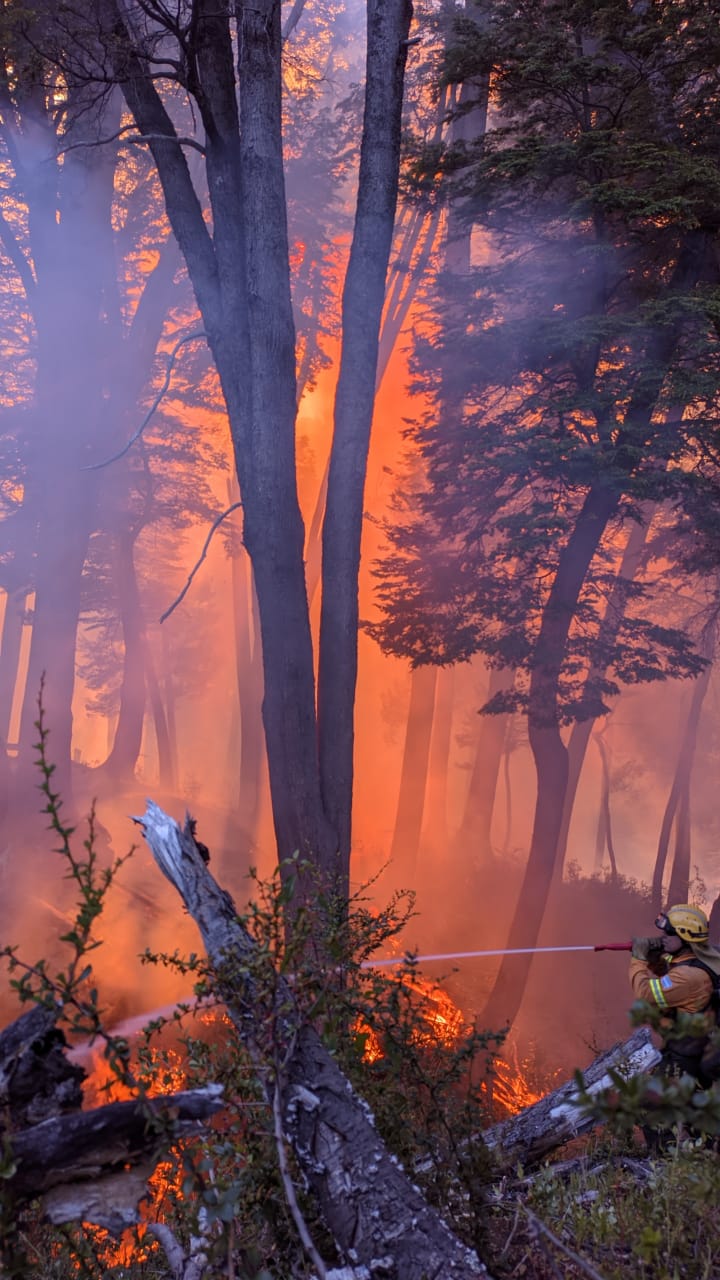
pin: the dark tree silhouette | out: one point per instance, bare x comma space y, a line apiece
591, 324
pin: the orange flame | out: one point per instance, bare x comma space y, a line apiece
511, 1088
135, 1245
440, 1019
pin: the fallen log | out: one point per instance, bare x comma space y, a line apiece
88, 1143
36, 1079
529, 1136
84, 1165
378, 1219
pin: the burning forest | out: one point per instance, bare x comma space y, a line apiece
359, 464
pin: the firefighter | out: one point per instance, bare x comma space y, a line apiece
677, 971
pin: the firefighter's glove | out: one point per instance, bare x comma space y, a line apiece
640, 948
646, 948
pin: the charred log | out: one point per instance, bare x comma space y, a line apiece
89, 1144
37, 1081
111, 1201
85, 1165
370, 1206
556, 1118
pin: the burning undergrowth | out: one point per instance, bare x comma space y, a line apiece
403, 1044
399, 1039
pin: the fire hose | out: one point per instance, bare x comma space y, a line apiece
410, 958
82, 1053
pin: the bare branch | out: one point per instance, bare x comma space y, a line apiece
289, 1189
138, 139
191, 337
542, 1229
218, 521
183, 205
292, 19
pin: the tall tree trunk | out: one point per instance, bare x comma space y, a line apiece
136, 349
388, 23
549, 751
436, 799
61, 558
474, 831
400, 302
679, 889
166, 770
123, 757
240, 274
397, 305
600, 836
396, 313
457, 260
265, 443
677, 808
248, 665
70, 261
582, 729
168, 699
13, 622
507, 781
413, 778
605, 807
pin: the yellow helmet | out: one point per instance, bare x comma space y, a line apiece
689, 923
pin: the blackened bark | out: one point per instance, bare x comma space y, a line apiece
86, 1144
368, 1203
388, 23
81, 1158
36, 1079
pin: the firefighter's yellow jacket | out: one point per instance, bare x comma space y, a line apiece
684, 987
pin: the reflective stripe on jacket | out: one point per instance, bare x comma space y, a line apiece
683, 987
